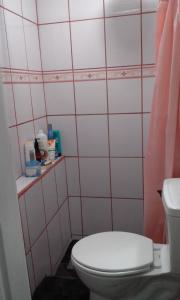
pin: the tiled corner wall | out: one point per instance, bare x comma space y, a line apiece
98, 70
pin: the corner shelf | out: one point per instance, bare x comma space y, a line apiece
24, 183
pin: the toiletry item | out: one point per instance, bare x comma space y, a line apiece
57, 137
32, 168
47, 163
43, 144
51, 149
50, 132
37, 151
29, 151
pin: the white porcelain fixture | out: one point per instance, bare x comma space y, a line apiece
122, 265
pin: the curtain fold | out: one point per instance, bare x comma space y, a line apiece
162, 158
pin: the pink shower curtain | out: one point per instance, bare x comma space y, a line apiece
163, 147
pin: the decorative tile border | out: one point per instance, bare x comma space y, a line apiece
15, 76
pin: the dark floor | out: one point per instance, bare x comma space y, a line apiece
65, 285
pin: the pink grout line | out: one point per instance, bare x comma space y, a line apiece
75, 106
101, 197
18, 15
68, 195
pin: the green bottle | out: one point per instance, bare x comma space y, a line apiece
57, 137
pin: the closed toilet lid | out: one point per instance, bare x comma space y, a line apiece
114, 252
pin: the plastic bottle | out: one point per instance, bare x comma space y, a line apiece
43, 143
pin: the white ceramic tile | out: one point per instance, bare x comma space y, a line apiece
149, 5
96, 215
123, 40
33, 52
61, 183
50, 195
148, 90
38, 101
128, 215
75, 215
88, 48
59, 98
67, 128
146, 121
56, 52
14, 5
24, 223
4, 57
94, 173
9, 104
14, 144
29, 10
91, 97
40, 124
126, 176
65, 224
22, 96
148, 31
30, 272
16, 42
25, 132
55, 239
125, 135
86, 9
52, 11
115, 7
41, 262
72, 176
35, 211
124, 95
93, 135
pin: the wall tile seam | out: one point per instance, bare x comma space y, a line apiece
18, 15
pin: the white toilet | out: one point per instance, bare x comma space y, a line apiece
127, 266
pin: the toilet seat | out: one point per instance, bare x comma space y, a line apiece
114, 253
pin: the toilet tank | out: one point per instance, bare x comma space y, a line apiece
171, 202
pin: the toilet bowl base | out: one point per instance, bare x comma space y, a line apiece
94, 296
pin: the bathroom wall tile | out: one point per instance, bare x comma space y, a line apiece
148, 90
22, 96
38, 101
122, 51
52, 11
31, 38
50, 195
67, 127
124, 95
149, 5
24, 223
30, 272
40, 124
25, 132
65, 224
127, 140
41, 262
115, 8
88, 48
60, 98
146, 121
35, 211
93, 135
91, 97
55, 239
55, 46
128, 215
4, 54
101, 219
16, 42
29, 10
94, 173
75, 215
15, 151
9, 104
86, 9
72, 176
126, 175
14, 5
61, 184
148, 31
